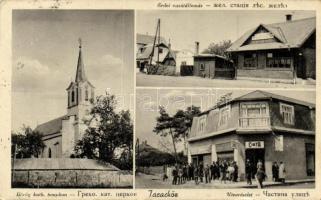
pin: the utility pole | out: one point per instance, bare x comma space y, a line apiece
154, 43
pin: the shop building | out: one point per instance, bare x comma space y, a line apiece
257, 126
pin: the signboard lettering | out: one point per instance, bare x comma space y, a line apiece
254, 145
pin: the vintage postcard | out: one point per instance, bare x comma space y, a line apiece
137, 99
71, 118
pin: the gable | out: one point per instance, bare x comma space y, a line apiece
261, 35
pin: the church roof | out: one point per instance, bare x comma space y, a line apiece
291, 34
51, 127
62, 164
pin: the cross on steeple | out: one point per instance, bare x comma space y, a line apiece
79, 41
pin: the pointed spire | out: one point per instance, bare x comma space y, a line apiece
80, 74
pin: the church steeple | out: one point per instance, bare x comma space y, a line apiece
81, 91
80, 73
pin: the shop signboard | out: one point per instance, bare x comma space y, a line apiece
254, 145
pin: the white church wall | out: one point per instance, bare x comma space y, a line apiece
55, 146
68, 134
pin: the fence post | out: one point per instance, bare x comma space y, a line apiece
28, 178
76, 177
98, 178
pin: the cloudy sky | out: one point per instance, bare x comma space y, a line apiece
147, 101
185, 27
45, 53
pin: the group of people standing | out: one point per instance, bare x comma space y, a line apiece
220, 170
225, 171
278, 172
258, 172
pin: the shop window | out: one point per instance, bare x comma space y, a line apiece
250, 60
202, 124
310, 159
287, 112
278, 60
224, 115
254, 114
225, 151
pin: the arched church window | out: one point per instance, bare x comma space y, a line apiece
68, 99
49, 153
86, 95
72, 96
56, 149
92, 94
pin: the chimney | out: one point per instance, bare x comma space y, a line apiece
288, 17
169, 43
197, 48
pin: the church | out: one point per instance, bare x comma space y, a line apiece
61, 134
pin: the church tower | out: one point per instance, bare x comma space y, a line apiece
80, 92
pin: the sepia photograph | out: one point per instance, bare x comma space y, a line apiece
72, 81
226, 48
220, 138
182, 100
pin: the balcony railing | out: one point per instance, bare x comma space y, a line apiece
254, 122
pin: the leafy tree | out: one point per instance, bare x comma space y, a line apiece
109, 134
165, 126
183, 120
177, 126
219, 48
26, 144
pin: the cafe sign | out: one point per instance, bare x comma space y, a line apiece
254, 145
